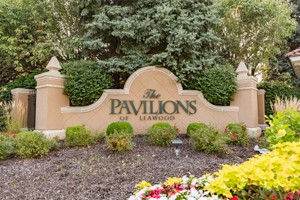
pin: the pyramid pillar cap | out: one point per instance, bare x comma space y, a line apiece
54, 65
242, 70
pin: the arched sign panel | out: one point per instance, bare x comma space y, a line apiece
150, 95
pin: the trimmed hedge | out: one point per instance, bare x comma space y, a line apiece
194, 127
217, 84
118, 127
85, 82
279, 89
162, 134
80, 136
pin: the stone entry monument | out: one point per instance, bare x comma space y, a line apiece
151, 94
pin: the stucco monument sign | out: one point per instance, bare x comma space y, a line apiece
151, 94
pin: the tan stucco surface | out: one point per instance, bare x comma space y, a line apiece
98, 115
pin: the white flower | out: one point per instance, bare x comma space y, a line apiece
195, 193
134, 197
163, 198
191, 198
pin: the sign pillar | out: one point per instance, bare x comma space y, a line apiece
50, 98
246, 100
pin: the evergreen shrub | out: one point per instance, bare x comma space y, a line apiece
209, 139
237, 134
32, 144
162, 134
85, 82
218, 85
193, 127
120, 140
79, 136
118, 127
7, 146
280, 89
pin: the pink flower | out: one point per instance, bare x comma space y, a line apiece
298, 192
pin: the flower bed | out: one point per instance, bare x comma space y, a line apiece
263, 177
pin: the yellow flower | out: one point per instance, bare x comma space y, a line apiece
173, 180
281, 133
143, 184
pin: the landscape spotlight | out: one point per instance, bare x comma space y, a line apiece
177, 144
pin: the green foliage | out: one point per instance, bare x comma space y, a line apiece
217, 84
209, 139
32, 144
101, 135
85, 82
237, 134
3, 118
118, 127
119, 140
7, 146
281, 70
79, 136
284, 126
127, 35
279, 89
161, 125
25, 81
32, 31
162, 134
193, 127
254, 31
279, 170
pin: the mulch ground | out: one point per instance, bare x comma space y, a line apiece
97, 173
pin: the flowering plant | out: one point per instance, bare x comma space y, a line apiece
284, 126
185, 188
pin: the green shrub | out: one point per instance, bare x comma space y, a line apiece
119, 141
193, 127
162, 134
79, 136
7, 144
25, 81
209, 139
32, 144
217, 84
284, 126
85, 82
118, 127
280, 89
237, 134
2, 119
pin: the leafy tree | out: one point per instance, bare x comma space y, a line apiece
32, 31
294, 42
254, 31
126, 35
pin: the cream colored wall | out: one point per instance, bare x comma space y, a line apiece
54, 113
97, 116
20, 105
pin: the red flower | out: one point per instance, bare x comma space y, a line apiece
235, 198
258, 140
274, 197
235, 137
